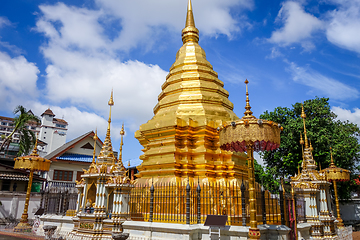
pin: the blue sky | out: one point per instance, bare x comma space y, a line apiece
69, 55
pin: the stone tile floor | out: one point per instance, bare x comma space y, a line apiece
356, 235
9, 234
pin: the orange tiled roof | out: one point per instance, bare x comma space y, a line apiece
48, 112
60, 120
6, 118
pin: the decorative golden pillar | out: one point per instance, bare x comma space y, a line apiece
33, 162
250, 134
294, 211
334, 174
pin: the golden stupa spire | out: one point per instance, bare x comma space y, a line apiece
122, 133
95, 139
190, 32
303, 116
248, 113
106, 154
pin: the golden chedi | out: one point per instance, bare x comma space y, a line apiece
181, 141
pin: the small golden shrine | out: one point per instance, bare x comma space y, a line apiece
335, 174
181, 141
103, 193
313, 187
34, 163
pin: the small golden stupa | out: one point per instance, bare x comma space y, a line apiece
312, 185
181, 141
103, 193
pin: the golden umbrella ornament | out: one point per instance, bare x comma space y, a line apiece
32, 162
250, 134
335, 174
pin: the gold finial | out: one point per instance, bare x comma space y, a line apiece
303, 116
311, 148
332, 160
111, 101
248, 113
129, 164
303, 165
34, 152
94, 153
320, 166
190, 33
301, 140
122, 132
190, 16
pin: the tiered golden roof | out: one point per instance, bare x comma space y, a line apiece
262, 134
32, 162
335, 173
181, 140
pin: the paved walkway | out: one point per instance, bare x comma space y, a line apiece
9, 234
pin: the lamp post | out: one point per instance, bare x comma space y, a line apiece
250, 134
334, 174
32, 162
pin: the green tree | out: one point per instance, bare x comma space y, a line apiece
324, 131
266, 177
26, 136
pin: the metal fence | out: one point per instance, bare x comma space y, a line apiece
59, 201
191, 203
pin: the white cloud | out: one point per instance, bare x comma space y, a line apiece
140, 24
345, 114
321, 84
4, 22
17, 80
72, 28
344, 24
298, 26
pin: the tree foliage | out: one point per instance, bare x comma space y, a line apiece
324, 131
26, 136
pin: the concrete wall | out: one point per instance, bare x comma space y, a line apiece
13, 204
350, 212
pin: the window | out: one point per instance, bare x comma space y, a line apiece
60, 125
63, 175
3, 123
78, 175
44, 132
44, 137
5, 185
33, 128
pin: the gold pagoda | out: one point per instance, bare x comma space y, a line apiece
181, 141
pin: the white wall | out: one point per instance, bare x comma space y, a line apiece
13, 204
67, 166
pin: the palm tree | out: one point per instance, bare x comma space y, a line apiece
26, 136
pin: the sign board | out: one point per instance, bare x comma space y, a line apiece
215, 220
